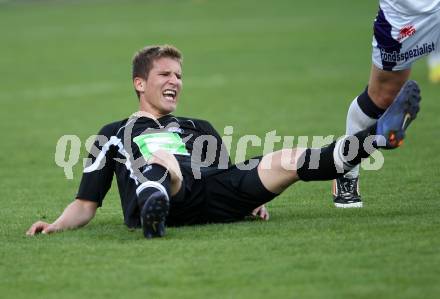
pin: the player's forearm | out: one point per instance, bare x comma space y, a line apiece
75, 215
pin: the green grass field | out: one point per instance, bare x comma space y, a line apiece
256, 65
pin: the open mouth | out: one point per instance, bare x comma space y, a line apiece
170, 94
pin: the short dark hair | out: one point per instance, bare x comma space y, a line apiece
143, 59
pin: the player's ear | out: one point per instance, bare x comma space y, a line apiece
139, 84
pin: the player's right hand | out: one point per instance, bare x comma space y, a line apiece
261, 212
40, 227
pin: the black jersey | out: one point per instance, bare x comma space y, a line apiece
122, 148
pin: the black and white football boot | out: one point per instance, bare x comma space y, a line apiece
346, 193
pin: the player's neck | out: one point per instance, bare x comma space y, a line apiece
150, 113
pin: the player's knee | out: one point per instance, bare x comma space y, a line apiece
277, 170
168, 161
161, 157
288, 158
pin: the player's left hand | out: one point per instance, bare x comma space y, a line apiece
261, 212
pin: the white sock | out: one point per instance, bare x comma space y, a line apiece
357, 121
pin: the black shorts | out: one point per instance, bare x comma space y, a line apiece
222, 195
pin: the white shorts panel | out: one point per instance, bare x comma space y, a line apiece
400, 40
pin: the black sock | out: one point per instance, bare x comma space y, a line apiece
367, 105
332, 161
158, 179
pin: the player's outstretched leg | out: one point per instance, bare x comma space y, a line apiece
339, 157
392, 125
279, 170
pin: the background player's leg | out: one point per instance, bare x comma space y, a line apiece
382, 88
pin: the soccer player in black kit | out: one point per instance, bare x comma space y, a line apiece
175, 171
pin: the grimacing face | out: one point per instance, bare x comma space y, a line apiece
159, 94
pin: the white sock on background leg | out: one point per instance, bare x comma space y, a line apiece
357, 121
